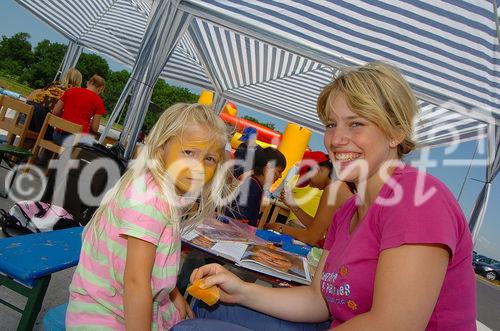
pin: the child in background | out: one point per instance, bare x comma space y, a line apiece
246, 152
318, 176
131, 248
268, 166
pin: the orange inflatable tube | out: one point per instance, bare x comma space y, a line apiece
263, 134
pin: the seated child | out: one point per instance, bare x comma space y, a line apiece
126, 277
268, 166
246, 152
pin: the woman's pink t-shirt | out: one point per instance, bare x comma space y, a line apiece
416, 208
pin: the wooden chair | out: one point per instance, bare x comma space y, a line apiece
58, 123
13, 125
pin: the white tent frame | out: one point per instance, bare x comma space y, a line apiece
198, 9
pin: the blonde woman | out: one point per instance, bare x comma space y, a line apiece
130, 254
397, 255
45, 99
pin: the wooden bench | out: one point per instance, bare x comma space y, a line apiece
27, 263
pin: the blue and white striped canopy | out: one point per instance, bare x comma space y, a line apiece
275, 56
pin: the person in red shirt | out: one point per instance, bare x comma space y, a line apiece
82, 106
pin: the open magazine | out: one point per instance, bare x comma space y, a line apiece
288, 265
250, 252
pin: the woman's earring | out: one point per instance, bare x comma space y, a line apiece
392, 143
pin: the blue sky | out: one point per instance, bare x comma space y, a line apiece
14, 18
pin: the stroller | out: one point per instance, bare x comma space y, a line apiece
62, 204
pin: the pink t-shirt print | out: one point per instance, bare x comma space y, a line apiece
348, 277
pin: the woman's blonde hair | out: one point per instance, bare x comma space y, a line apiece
172, 123
72, 78
379, 93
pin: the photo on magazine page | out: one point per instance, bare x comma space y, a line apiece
202, 241
275, 259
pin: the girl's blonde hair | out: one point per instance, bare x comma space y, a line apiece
379, 93
172, 123
72, 78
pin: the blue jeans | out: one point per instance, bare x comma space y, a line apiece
59, 137
225, 317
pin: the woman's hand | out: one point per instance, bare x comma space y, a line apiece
287, 198
232, 289
181, 304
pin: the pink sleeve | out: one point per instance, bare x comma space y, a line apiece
141, 220
414, 220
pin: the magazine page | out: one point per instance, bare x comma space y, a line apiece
293, 266
229, 250
222, 235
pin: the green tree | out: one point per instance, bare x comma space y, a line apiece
48, 57
15, 53
90, 64
114, 86
267, 125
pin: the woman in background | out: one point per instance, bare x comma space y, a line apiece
45, 99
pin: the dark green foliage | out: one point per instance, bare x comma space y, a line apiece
114, 86
267, 125
15, 54
92, 64
47, 59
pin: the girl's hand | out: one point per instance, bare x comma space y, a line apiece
181, 304
232, 289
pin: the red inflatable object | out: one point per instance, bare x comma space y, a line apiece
263, 134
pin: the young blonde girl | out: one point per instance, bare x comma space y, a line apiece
131, 248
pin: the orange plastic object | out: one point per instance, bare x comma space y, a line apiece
209, 295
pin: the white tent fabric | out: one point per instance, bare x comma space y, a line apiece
275, 55
256, 52
166, 26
